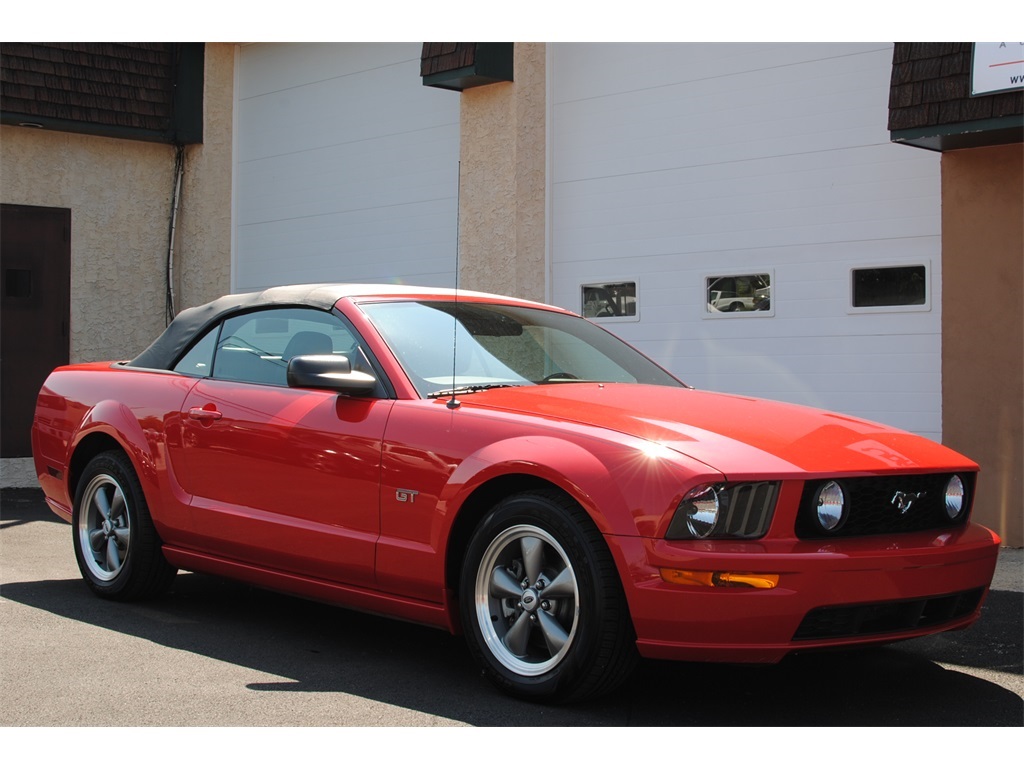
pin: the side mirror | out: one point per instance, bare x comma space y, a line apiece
332, 372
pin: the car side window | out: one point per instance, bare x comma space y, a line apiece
256, 347
198, 361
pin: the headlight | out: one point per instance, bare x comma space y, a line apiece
700, 508
831, 505
954, 497
725, 511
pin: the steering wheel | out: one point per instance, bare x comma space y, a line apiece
558, 375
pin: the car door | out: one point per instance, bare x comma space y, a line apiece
283, 478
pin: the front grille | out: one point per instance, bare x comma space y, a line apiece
870, 506
887, 618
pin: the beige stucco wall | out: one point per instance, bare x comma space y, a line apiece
502, 177
203, 248
119, 193
983, 326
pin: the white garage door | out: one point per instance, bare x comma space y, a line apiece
346, 167
721, 176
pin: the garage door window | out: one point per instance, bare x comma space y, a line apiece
881, 289
609, 301
738, 295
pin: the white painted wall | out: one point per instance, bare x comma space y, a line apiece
668, 163
346, 167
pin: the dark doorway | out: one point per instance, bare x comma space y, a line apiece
35, 291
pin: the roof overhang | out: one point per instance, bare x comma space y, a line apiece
979, 133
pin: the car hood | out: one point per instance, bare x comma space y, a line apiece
730, 433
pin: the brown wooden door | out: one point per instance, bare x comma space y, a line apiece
35, 291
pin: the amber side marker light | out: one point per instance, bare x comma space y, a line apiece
720, 578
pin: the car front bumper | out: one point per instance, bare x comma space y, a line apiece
829, 594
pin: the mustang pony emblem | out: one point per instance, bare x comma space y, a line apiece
903, 500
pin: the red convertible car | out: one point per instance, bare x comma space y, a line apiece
508, 471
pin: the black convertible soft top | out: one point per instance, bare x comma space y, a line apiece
165, 351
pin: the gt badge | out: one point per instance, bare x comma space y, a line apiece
406, 496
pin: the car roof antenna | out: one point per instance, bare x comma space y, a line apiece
454, 403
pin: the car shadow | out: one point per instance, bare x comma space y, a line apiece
20, 506
320, 648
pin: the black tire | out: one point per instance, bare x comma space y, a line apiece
541, 603
117, 548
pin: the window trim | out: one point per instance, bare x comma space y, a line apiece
891, 308
635, 318
707, 314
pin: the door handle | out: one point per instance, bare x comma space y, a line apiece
202, 414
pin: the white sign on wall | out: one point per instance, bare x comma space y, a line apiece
997, 67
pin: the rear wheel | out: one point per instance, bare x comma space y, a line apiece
116, 545
541, 601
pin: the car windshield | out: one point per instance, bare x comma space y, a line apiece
500, 346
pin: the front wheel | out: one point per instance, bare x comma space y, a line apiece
541, 602
116, 545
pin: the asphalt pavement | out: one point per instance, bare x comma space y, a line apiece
219, 653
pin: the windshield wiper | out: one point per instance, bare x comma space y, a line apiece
469, 388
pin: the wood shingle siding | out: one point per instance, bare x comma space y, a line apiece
131, 90
931, 86
445, 57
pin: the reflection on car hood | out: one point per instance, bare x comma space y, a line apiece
728, 432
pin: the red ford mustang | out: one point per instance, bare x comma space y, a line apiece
506, 470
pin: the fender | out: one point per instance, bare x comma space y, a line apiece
579, 463
415, 568
143, 437
553, 459
117, 420
654, 478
